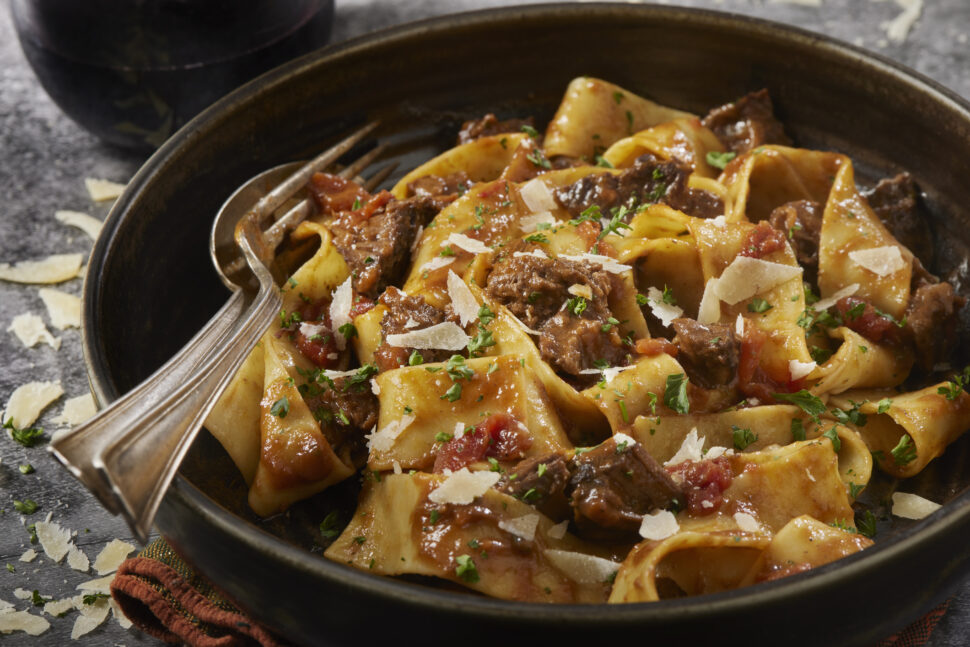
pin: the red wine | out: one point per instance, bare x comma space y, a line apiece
134, 71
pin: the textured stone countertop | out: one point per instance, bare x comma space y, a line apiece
44, 157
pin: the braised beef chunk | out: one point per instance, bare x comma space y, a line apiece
346, 411
801, 222
896, 202
334, 194
648, 181
540, 481
406, 313
613, 486
378, 248
931, 318
746, 123
490, 125
444, 188
571, 338
708, 352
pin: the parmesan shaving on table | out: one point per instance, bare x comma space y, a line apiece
30, 330
56, 268
28, 401
102, 190
63, 309
84, 222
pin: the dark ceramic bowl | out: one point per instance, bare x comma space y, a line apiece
151, 286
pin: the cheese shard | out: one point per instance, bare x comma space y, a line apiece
28, 401
102, 190
111, 556
444, 336
52, 269
29, 555
76, 410
91, 616
798, 370
913, 506
383, 440
583, 568
528, 224
825, 304
437, 263
30, 624
343, 300
537, 196
746, 522
468, 244
463, 486
608, 263
746, 277
462, 299
709, 310
54, 539
84, 222
77, 560
30, 330
524, 526
663, 311
690, 449
659, 525
881, 261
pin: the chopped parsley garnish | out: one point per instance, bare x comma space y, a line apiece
576, 305
804, 400
719, 160
742, 437
589, 214
538, 158
642, 300
759, 305
485, 315
855, 489
360, 379
92, 598
797, 429
348, 330
820, 355
26, 507
415, 359
26, 469
541, 470
281, 407
952, 389
466, 569
610, 322
852, 415
883, 405
618, 96
434, 516
10, 568
452, 394
530, 131
905, 451
482, 340
616, 223
356, 205
446, 251
833, 435
668, 297
330, 526
537, 238
675, 393
457, 369
867, 524
39, 600
856, 311
442, 437
28, 437
602, 161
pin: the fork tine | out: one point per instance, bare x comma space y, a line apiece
380, 176
272, 200
363, 162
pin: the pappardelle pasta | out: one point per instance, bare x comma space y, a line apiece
641, 355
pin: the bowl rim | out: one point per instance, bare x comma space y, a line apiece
953, 515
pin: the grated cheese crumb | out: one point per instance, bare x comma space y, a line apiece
746, 522
913, 506
690, 449
84, 222
29, 555
739, 326
523, 527
102, 190
659, 525
582, 568
746, 277
111, 556
462, 299
52, 269
444, 336
621, 438
881, 261
463, 486
28, 401
580, 290
30, 330
383, 440
397, 467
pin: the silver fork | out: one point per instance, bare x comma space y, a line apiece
129, 452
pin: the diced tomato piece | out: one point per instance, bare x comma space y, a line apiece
762, 241
861, 316
497, 436
655, 346
704, 483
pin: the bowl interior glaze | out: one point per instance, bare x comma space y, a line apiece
151, 286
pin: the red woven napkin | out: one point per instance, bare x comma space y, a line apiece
165, 598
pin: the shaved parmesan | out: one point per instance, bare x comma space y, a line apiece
798, 370
607, 263
582, 568
28, 400
622, 439
99, 585
84, 222
580, 290
538, 253
468, 244
739, 325
444, 336
5, 606
76, 410
529, 224
29, 555
913, 506
111, 556
91, 616
825, 304
462, 299
310, 329
719, 221
77, 560
343, 300
119, 615
882, 261
459, 430
63, 309
30, 330
22, 621
709, 310
53, 538
397, 467
559, 530
437, 263
383, 440
21, 594
524, 526
898, 28
609, 373
101, 190
59, 608
333, 375
53, 269
659, 525
537, 196
690, 449
717, 452
665, 312
746, 522
463, 486
746, 277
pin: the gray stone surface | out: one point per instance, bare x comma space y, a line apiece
44, 158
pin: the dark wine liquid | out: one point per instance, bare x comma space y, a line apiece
132, 72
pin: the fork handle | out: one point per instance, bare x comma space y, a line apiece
129, 452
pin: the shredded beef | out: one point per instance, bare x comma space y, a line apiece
444, 188
746, 123
801, 222
346, 412
378, 248
708, 352
333, 194
931, 318
896, 202
612, 487
535, 290
490, 125
648, 181
403, 309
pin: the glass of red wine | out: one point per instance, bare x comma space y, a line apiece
134, 71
